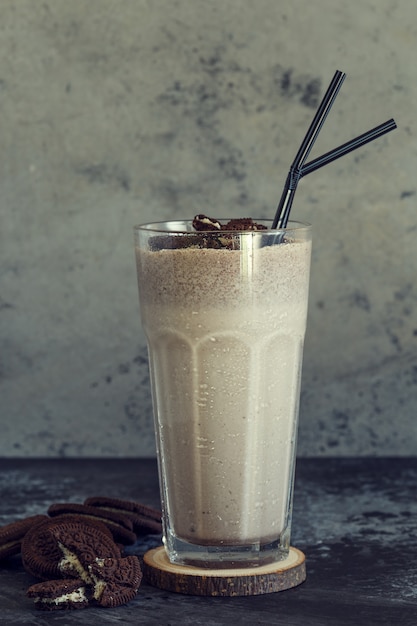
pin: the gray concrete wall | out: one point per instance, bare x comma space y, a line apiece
118, 112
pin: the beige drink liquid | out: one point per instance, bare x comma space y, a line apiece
225, 331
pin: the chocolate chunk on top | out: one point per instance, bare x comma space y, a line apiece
202, 222
211, 234
243, 223
226, 235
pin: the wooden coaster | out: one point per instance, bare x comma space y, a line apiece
161, 573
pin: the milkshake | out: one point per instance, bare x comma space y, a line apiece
225, 328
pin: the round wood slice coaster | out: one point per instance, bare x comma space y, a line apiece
161, 573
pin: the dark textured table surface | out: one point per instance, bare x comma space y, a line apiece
355, 519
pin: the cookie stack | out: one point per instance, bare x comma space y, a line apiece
77, 552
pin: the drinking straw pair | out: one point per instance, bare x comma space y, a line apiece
299, 168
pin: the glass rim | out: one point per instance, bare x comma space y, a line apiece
157, 227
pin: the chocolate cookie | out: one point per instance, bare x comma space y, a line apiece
145, 519
11, 535
54, 595
80, 545
41, 554
119, 525
116, 581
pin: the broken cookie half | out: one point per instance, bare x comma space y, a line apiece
111, 580
116, 581
54, 595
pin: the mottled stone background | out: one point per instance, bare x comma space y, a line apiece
114, 112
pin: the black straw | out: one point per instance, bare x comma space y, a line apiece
336, 153
285, 203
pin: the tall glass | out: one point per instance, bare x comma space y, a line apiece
225, 317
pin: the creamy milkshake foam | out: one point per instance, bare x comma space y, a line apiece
225, 330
